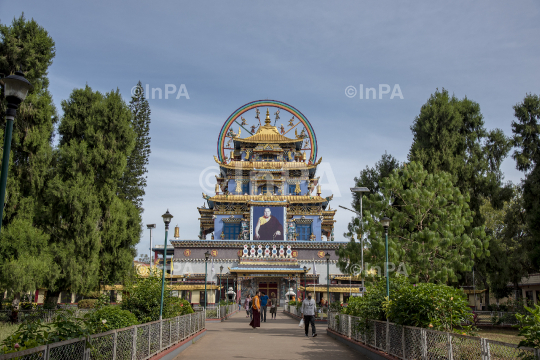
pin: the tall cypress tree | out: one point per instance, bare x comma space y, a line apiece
526, 139
90, 226
449, 135
133, 182
25, 260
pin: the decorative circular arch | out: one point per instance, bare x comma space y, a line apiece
268, 103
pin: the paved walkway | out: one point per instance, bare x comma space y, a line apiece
274, 340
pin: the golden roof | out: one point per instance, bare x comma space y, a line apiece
268, 134
281, 198
169, 287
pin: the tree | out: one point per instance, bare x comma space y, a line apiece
427, 232
509, 246
449, 135
24, 255
526, 139
133, 181
93, 231
350, 254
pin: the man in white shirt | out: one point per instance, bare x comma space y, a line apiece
308, 311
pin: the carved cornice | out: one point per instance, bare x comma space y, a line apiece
239, 244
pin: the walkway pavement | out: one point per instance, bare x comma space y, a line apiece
274, 340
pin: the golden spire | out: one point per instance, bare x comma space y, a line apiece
176, 232
267, 121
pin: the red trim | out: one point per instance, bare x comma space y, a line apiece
36, 296
171, 349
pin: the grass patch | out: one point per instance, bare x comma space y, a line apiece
501, 334
7, 329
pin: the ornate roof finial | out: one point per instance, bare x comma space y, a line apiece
267, 121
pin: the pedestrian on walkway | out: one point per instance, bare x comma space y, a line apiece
247, 306
264, 302
256, 307
308, 310
273, 306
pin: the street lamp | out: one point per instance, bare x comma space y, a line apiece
219, 293
305, 282
206, 256
385, 222
16, 88
327, 256
151, 226
167, 220
361, 190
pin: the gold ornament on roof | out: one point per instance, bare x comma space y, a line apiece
267, 121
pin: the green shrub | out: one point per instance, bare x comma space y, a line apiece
436, 306
109, 318
529, 327
35, 333
370, 306
87, 303
180, 307
143, 299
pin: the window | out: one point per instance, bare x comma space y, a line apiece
265, 188
292, 188
231, 231
303, 231
267, 157
245, 188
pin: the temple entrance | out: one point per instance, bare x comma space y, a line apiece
269, 287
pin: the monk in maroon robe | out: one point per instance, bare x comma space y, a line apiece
268, 227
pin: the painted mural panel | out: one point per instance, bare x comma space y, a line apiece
267, 223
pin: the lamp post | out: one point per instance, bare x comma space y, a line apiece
386, 223
305, 282
206, 256
327, 256
219, 293
227, 293
16, 88
151, 226
167, 220
361, 190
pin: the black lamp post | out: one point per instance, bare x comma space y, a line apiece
327, 256
167, 220
219, 293
206, 256
16, 88
385, 222
305, 282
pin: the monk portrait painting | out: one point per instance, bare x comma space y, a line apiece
268, 223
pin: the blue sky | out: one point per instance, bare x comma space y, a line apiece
304, 53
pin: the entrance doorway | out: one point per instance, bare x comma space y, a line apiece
269, 287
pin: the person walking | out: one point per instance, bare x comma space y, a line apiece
256, 307
308, 310
264, 302
247, 306
273, 306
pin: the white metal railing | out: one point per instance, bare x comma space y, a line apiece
139, 342
408, 342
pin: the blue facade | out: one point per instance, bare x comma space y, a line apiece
315, 225
218, 225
